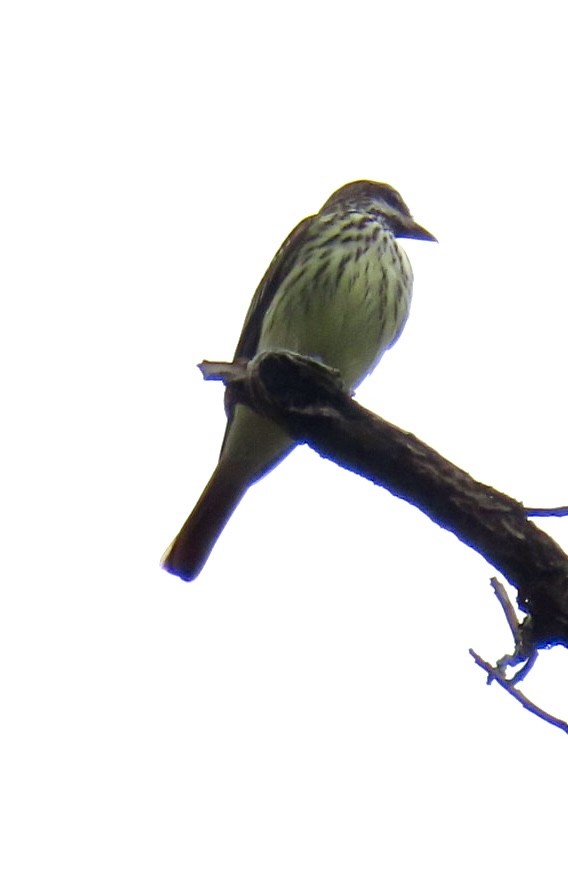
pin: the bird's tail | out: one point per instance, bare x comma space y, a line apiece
189, 551
253, 445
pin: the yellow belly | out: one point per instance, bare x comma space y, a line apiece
345, 316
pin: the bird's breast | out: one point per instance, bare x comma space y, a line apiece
343, 303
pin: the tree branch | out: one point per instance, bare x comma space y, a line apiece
308, 400
494, 675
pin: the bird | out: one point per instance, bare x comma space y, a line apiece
338, 290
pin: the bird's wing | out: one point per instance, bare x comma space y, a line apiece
281, 264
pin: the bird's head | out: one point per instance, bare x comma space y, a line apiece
382, 199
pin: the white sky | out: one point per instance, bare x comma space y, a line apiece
309, 702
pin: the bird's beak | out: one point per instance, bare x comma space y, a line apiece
412, 230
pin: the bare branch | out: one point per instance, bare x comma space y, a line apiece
559, 512
307, 399
508, 609
495, 675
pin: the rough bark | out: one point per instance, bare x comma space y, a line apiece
308, 400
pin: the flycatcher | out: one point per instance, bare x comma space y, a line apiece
338, 290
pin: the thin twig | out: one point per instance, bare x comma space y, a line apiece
523, 651
559, 512
508, 608
505, 683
